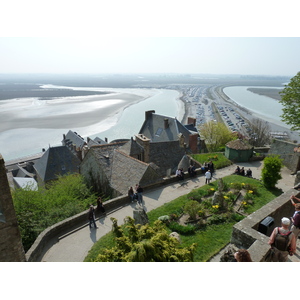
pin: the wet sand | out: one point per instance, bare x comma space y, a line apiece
272, 93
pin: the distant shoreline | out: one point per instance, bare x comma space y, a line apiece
269, 92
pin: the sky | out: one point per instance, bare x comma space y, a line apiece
210, 37
212, 55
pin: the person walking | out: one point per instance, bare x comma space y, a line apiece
282, 241
139, 192
91, 217
207, 176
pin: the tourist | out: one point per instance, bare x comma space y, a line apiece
192, 170
91, 217
283, 241
237, 170
211, 167
139, 192
180, 174
207, 177
242, 171
100, 206
295, 218
242, 255
249, 173
131, 194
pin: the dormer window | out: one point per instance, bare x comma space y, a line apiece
159, 131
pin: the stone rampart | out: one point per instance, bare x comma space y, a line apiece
245, 233
52, 233
286, 152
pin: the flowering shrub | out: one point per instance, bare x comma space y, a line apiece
215, 208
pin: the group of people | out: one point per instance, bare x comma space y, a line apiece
283, 239
241, 171
137, 194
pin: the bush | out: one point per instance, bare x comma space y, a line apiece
271, 171
191, 208
37, 210
188, 229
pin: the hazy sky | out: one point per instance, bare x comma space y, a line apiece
267, 56
157, 36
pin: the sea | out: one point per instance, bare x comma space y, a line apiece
125, 123
22, 142
264, 107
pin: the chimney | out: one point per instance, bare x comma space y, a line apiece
149, 113
145, 143
192, 121
166, 123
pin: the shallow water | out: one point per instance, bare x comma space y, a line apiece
28, 125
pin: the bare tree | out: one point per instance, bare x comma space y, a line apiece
260, 132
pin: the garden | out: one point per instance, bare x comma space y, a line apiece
204, 217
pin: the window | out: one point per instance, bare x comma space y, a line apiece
159, 131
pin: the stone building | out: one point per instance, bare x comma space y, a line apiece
11, 248
110, 171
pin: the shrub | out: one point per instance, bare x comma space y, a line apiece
191, 208
188, 229
271, 171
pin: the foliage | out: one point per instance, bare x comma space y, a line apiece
191, 208
136, 243
290, 99
260, 132
271, 171
37, 210
181, 229
221, 161
216, 135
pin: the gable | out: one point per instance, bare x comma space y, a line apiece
160, 128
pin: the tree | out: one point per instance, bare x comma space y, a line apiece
271, 171
216, 135
260, 132
136, 243
290, 99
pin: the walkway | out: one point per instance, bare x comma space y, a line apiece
74, 247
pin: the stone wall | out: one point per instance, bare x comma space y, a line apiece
52, 233
11, 248
245, 233
286, 152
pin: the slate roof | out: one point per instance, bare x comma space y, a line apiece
128, 171
239, 145
104, 154
73, 138
154, 128
132, 148
56, 161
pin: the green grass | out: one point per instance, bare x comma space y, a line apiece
210, 239
219, 159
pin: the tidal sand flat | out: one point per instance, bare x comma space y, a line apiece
269, 92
